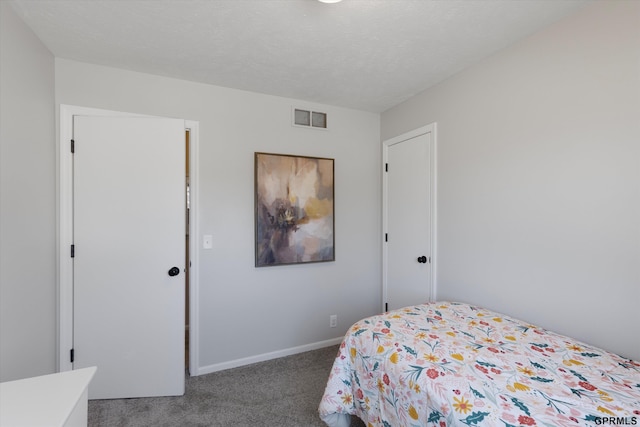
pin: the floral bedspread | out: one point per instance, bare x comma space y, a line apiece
452, 364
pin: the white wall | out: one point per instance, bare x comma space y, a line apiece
247, 311
27, 203
539, 177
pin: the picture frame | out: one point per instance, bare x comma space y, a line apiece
294, 209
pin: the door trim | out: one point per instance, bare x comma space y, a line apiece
430, 128
64, 184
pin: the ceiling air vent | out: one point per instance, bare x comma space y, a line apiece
310, 119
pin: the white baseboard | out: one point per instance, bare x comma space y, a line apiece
265, 356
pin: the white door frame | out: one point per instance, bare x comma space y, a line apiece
430, 128
65, 232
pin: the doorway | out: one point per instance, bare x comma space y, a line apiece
187, 258
65, 279
409, 218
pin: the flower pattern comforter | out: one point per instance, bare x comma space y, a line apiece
452, 364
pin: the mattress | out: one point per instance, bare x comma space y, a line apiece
454, 364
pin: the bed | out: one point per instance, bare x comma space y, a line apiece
453, 364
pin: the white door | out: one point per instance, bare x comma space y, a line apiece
408, 219
129, 232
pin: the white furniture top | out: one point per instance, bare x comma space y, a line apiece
48, 400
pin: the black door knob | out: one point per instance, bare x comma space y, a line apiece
174, 271
422, 259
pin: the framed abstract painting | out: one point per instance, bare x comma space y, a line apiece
294, 209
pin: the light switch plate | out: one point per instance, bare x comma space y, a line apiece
207, 241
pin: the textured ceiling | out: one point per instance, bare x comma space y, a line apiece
364, 54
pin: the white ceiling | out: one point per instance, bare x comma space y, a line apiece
364, 54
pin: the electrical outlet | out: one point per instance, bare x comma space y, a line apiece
333, 320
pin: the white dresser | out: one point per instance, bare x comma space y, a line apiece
54, 400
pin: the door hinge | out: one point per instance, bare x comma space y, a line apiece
386, 306
73, 146
71, 355
386, 237
386, 167
73, 251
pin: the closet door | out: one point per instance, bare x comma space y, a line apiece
408, 239
129, 254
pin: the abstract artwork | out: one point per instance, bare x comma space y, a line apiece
294, 209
